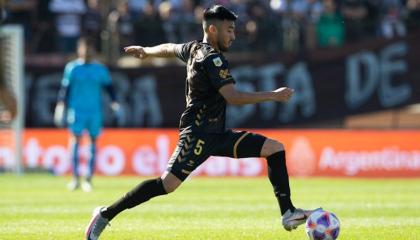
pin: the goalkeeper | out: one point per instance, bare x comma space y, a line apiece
80, 93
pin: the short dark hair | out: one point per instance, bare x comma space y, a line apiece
219, 12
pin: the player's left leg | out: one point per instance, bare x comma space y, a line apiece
275, 154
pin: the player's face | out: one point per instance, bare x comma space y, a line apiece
85, 52
225, 35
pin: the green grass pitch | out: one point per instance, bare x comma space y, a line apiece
39, 207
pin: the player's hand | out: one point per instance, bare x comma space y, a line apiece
5, 117
282, 94
136, 51
115, 106
59, 114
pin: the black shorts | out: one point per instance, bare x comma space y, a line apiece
194, 148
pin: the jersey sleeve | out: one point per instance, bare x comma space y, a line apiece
65, 82
217, 69
182, 51
63, 93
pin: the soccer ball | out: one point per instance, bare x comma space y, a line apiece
322, 225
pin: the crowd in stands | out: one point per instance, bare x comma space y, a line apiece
269, 25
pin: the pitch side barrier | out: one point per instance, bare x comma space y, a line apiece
145, 152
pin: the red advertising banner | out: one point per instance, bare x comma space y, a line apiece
145, 152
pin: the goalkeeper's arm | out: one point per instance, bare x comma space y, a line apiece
61, 105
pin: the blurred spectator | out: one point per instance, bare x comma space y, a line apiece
21, 12
149, 30
68, 20
92, 22
262, 33
137, 7
120, 28
298, 21
360, 18
330, 27
181, 21
391, 21
268, 25
413, 18
306, 13
44, 29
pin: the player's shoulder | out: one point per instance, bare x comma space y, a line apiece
209, 55
215, 59
73, 63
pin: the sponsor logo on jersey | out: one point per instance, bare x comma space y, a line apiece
224, 73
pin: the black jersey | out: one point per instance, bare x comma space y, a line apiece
207, 72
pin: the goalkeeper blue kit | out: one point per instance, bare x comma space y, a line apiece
82, 86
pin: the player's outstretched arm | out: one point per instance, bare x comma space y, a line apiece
166, 50
234, 97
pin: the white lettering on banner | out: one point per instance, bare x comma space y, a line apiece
297, 78
32, 153
144, 161
111, 160
250, 166
44, 96
353, 162
267, 82
56, 158
236, 115
148, 162
301, 159
147, 110
216, 167
389, 94
378, 76
300, 80
6, 158
162, 144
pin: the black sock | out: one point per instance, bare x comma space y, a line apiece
277, 173
140, 194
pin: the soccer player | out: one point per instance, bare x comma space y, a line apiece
209, 86
80, 93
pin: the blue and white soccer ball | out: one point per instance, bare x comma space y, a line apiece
322, 225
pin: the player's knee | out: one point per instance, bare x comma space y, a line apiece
170, 182
76, 139
270, 147
169, 187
